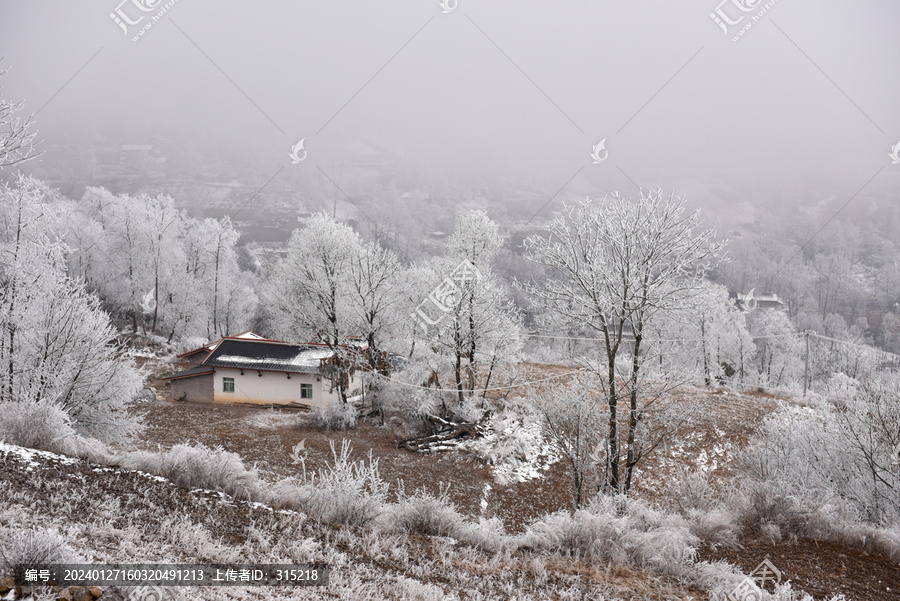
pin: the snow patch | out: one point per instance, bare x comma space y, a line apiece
28, 455
516, 448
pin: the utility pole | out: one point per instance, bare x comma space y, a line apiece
806, 364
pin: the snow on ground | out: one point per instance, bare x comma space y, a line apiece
516, 448
28, 455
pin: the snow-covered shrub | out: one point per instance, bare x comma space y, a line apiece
424, 513
573, 422
199, 467
34, 546
763, 506
343, 492
336, 416
470, 410
189, 343
406, 404
689, 490
42, 426
514, 445
36, 425
829, 455
716, 528
884, 541
842, 386
487, 534
641, 537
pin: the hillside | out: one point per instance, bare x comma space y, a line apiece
512, 548
116, 515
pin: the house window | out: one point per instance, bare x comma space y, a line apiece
306, 391
227, 384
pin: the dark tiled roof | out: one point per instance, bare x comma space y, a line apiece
194, 371
209, 346
191, 352
267, 356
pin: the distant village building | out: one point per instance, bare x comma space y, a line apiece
137, 154
248, 368
758, 300
141, 159
419, 195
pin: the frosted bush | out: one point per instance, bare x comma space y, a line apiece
424, 513
640, 537
716, 528
343, 492
689, 490
189, 343
842, 386
409, 405
515, 446
35, 546
36, 425
821, 455
337, 416
488, 534
199, 467
470, 410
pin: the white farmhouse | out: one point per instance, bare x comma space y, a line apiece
249, 369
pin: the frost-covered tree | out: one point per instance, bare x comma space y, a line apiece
158, 242
132, 248
477, 327
844, 453
16, 134
482, 325
374, 296
573, 421
310, 290
779, 348
228, 298
709, 339
57, 346
613, 267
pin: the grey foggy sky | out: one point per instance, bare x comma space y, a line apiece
753, 112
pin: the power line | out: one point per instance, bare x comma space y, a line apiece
856, 344
654, 340
499, 388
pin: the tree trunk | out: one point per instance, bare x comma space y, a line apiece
471, 365
706, 376
215, 312
457, 367
612, 455
632, 458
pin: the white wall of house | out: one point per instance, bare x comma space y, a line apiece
271, 387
